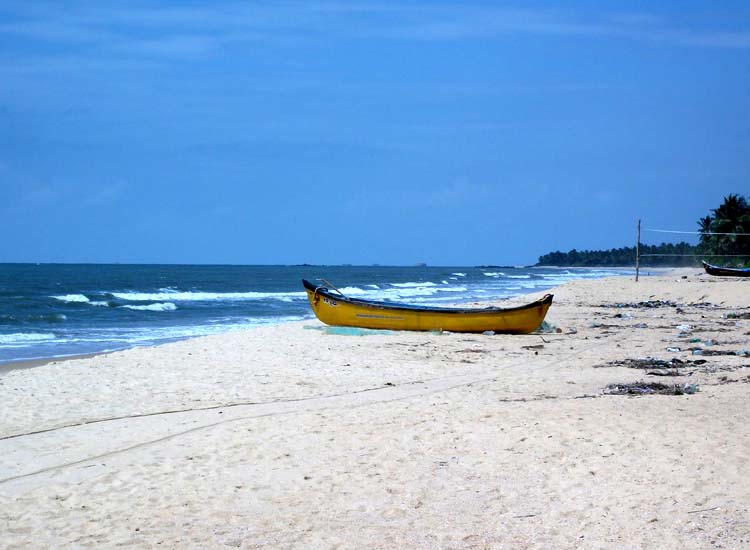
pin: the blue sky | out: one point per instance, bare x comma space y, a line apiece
364, 132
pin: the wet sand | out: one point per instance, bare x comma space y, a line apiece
291, 437
34, 363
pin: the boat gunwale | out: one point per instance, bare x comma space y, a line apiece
720, 271
325, 291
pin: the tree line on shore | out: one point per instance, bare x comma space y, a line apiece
723, 239
625, 256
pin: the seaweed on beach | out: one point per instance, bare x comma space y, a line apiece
740, 315
726, 380
666, 372
703, 305
644, 304
594, 324
650, 388
653, 363
709, 352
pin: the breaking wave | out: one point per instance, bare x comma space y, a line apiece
25, 338
72, 298
166, 306
177, 296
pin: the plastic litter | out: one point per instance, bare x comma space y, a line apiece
545, 327
673, 350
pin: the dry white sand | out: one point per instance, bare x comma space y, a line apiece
291, 437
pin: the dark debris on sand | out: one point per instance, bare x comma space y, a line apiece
740, 315
645, 304
653, 363
649, 388
709, 351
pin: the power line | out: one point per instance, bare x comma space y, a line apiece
695, 232
702, 255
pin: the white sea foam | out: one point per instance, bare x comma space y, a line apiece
459, 274
397, 293
120, 338
99, 304
519, 276
25, 338
452, 289
412, 285
176, 296
493, 274
71, 298
401, 293
157, 334
354, 290
166, 306
531, 284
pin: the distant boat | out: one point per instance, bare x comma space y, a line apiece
333, 308
726, 271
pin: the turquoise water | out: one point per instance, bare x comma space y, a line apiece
52, 310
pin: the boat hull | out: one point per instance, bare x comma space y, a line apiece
337, 310
725, 271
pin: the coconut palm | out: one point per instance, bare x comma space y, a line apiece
706, 243
731, 217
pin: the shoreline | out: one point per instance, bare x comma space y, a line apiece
295, 438
40, 360
11, 365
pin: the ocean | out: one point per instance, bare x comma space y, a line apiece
55, 310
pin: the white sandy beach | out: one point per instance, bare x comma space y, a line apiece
291, 437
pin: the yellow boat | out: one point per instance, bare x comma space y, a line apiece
333, 308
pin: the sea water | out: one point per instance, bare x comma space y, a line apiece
53, 310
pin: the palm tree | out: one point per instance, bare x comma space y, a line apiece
732, 217
707, 241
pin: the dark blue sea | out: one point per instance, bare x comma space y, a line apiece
52, 310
